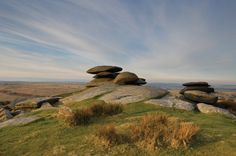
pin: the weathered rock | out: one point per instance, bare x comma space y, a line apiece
15, 101
227, 103
126, 78
105, 75
200, 88
28, 104
98, 69
172, 102
46, 105
164, 102
99, 82
90, 93
130, 94
36, 102
64, 113
196, 84
19, 121
205, 108
5, 114
199, 96
140, 81
4, 103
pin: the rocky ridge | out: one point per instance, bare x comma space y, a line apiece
116, 87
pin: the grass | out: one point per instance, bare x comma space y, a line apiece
217, 135
108, 136
160, 130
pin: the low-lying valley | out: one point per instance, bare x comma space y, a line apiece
116, 113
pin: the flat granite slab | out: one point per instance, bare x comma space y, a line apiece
19, 121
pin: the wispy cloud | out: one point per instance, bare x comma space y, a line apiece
159, 40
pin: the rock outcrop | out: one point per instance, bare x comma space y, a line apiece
109, 74
227, 103
205, 108
19, 121
5, 114
130, 94
172, 102
36, 103
90, 93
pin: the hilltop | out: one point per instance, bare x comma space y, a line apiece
32, 125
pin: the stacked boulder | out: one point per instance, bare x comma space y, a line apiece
207, 100
199, 92
200, 86
113, 75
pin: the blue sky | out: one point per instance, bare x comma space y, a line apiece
160, 40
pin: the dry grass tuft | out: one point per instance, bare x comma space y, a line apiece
107, 135
159, 130
103, 109
77, 117
83, 116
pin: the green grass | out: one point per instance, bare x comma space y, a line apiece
217, 135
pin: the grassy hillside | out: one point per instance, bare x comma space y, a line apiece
217, 135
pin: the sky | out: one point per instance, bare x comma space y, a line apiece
160, 40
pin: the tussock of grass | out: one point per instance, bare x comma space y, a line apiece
107, 135
103, 109
159, 130
83, 116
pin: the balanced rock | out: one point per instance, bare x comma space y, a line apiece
99, 69
126, 78
199, 96
196, 84
5, 114
200, 88
105, 75
205, 108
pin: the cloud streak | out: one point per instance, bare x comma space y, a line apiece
159, 40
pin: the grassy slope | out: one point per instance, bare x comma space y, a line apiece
50, 137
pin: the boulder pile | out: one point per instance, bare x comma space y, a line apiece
207, 101
199, 86
113, 75
9, 110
